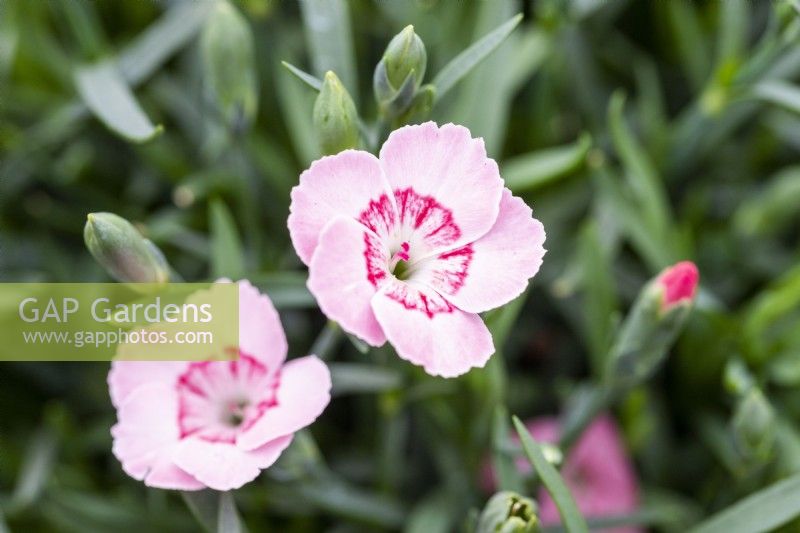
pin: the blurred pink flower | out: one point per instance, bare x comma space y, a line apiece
679, 282
597, 471
412, 245
190, 425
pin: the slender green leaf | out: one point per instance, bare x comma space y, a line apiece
36, 469
227, 254
551, 479
136, 62
542, 167
327, 340
600, 295
780, 93
533, 48
644, 516
490, 82
327, 29
296, 107
83, 22
228, 520
9, 41
689, 41
343, 499
630, 219
162, 39
106, 93
312, 81
588, 83
357, 378
464, 62
770, 314
764, 510
733, 29
82, 510
773, 208
359, 345
639, 170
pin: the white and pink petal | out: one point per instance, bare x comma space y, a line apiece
495, 269
222, 466
126, 376
429, 331
260, 331
339, 185
445, 186
167, 475
348, 265
303, 393
145, 443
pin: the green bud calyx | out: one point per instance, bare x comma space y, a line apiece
229, 65
509, 512
335, 117
119, 248
754, 426
399, 74
405, 55
646, 335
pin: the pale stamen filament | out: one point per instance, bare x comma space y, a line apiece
400, 255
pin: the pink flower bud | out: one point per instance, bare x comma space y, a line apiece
679, 282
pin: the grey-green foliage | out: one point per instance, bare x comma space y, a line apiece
696, 161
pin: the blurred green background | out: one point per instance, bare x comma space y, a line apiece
641, 133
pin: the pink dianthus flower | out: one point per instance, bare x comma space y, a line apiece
189, 425
410, 246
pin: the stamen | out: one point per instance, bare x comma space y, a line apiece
236, 413
400, 255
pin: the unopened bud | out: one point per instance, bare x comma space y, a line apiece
652, 325
508, 512
405, 56
399, 74
228, 61
335, 117
754, 426
122, 251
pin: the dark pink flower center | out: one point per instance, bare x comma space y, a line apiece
408, 236
218, 400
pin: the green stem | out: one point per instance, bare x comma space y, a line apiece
214, 511
202, 505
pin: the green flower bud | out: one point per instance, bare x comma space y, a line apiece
754, 426
228, 61
508, 512
652, 325
122, 251
399, 74
405, 56
335, 117
420, 108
